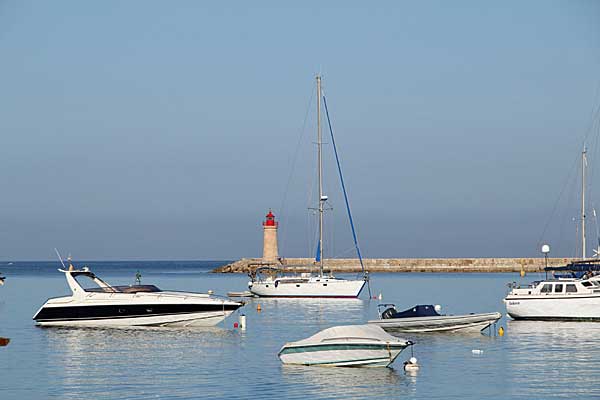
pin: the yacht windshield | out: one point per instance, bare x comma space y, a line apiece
88, 282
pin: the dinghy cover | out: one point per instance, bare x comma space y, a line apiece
421, 310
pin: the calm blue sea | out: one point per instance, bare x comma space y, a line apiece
531, 361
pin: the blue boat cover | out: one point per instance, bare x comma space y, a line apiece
420, 310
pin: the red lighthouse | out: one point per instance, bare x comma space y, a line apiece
270, 252
270, 221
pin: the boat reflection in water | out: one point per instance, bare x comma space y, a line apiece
94, 360
341, 383
547, 357
324, 312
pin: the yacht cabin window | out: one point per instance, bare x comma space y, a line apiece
547, 288
571, 288
586, 284
558, 288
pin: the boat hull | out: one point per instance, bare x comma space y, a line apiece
444, 323
554, 308
178, 320
329, 287
342, 355
119, 309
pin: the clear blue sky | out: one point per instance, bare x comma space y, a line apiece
165, 130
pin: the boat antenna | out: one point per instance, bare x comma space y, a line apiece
60, 258
337, 159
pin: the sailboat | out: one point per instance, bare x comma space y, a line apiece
574, 296
272, 282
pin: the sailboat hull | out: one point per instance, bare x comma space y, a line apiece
307, 287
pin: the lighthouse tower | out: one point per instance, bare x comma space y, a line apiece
270, 253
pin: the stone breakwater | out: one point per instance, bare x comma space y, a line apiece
246, 265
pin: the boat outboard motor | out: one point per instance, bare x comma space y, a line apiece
389, 313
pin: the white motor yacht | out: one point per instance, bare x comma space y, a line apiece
574, 296
571, 296
134, 305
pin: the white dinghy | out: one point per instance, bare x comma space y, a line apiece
345, 346
426, 318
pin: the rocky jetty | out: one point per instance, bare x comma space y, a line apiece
246, 265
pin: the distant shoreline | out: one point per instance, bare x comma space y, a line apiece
350, 265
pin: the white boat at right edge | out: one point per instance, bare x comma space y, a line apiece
574, 296
559, 299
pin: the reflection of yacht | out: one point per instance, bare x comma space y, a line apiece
570, 297
345, 346
136, 305
426, 318
275, 284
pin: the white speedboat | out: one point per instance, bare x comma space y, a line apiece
426, 318
345, 346
135, 305
321, 284
571, 297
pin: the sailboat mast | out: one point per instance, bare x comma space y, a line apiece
321, 201
583, 165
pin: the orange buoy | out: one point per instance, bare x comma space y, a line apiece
258, 307
4, 341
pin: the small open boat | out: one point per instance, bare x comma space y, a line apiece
345, 346
426, 318
245, 293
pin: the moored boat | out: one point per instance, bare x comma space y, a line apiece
131, 305
573, 293
345, 346
314, 284
425, 319
574, 296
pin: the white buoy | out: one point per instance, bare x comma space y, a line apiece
380, 296
477, 351
242, 320
411, 365
437, 308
